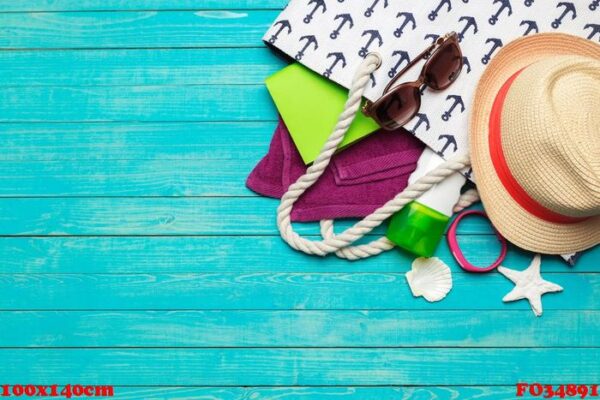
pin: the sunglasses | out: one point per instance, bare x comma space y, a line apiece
400, 103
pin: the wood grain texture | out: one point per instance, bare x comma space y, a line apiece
147, 178
275, 291
196, 66
102, 142
243, 367
137, 103
147, 263
325, 393
111, 5
234, 254
213, 216
135, 29
426, 328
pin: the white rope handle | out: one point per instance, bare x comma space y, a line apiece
341, 244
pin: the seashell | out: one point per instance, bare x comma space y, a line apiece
430, 278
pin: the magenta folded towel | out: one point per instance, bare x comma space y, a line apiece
359, 179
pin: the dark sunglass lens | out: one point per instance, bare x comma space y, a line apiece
398, 107
444, 66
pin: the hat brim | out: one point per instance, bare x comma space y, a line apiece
512, 221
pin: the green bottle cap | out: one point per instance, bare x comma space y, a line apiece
417, 228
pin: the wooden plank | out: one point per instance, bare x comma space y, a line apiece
138, 67
203, 159
242, 367
135, 29
110, 5
132, 141
146, 177
241, 254
276, 291
136, 103
217, 216
225, 177
178, 159
325, 393
510, 328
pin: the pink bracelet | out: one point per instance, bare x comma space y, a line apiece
457, 253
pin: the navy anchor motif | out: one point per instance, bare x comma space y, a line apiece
421, 119
450, 141
471, 22
432, 36
346, 18
594, 4
467, 64
339, 57
403, 58
497, 44
434, 13
373, 35
373, 81
528, 3
504, 4
283, 24
318, 4
408, 18
369, 11
458, 101
469, 173
531, 27
595, 29
569, 8
310, 40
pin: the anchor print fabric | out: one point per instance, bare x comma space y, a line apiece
333, 36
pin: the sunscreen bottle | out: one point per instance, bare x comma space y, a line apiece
420, 225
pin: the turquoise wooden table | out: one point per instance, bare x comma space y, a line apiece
131, 253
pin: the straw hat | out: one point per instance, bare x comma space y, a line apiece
535, 142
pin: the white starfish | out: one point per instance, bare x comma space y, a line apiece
529, 285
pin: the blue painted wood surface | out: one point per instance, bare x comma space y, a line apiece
132, 254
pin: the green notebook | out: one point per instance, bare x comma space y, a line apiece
310, 106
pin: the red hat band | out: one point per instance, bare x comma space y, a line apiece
508, 180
